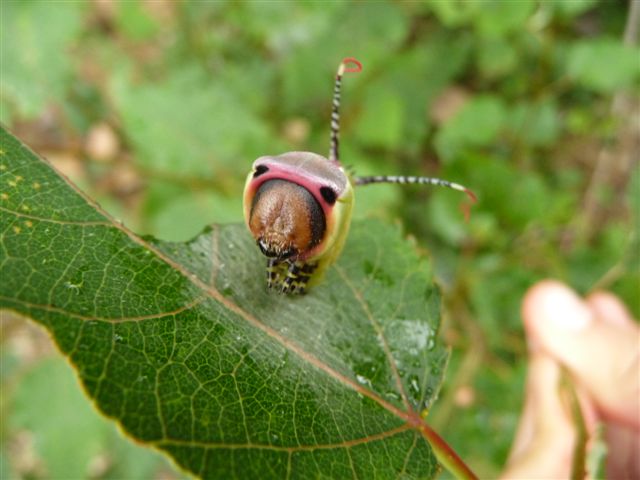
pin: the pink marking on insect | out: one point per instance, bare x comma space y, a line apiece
298, 168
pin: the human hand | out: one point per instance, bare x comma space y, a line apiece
598, 343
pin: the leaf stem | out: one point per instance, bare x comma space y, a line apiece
446, 455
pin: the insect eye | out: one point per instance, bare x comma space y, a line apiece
328, 194
260, 169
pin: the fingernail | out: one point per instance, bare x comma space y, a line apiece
565, 310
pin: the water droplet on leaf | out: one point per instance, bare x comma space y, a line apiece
414, 385
431, 343
393, 395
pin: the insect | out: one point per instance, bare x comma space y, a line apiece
298, 205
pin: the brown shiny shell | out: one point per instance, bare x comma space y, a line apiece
285, 219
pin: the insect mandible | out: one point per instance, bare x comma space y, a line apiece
298, 205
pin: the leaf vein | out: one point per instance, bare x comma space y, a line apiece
376, 326
59, 222
91, 318
300, 448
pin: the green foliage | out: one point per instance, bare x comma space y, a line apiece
44, 32
488, 17
48, 401
134, 22
513, 99
603, 65
190, 354
477, 124
172, 110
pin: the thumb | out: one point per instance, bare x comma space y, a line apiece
602, 354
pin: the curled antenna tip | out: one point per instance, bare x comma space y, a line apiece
344, 65
471, 195
466, 207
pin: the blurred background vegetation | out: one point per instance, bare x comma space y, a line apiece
158, 108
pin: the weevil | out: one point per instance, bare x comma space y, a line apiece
298, 205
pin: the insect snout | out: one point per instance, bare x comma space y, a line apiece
269, 251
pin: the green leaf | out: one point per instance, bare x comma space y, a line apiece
477, 124
569, 9
381, 105
35, 41
453, 14
135, 22
604, 64
497, 57
492, 18
165, 124
182, 345
535, 124
181, 216
496, 18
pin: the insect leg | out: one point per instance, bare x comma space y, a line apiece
297, 277
274, 272
292, 276
306, 272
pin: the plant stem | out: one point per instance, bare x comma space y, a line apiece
446, 455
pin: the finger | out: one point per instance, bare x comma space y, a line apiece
623, 445
610, 309
603, 358
544, 441
623, 442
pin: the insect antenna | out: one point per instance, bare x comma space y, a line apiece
419, 180
422, 181
334, 155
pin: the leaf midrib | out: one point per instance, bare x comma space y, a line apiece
299, 448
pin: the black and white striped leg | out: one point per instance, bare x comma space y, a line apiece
274, 273
298, 276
